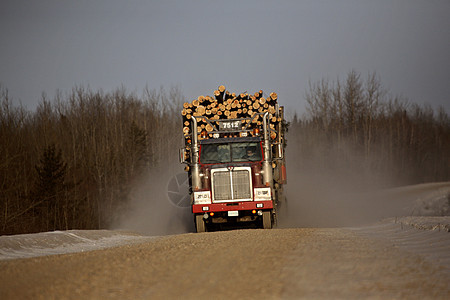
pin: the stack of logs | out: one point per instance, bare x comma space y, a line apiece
227, 105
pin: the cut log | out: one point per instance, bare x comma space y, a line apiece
218, 95
208, 127
273, 96
201, 110
228, 95
271, 109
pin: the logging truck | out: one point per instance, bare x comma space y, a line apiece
234, 154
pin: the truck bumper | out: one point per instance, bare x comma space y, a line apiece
219, 207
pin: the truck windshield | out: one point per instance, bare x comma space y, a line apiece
233, 152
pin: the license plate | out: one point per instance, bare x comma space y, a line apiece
233, 213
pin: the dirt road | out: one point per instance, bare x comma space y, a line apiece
245, 264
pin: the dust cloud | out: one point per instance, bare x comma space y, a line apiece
155, 207
321, 200
320, 194
326, 191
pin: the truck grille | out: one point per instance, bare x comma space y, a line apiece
231, 185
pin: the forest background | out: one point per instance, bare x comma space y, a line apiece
73, 162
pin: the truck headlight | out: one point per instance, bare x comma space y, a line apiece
203, 197
263, 193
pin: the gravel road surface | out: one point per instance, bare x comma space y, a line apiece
325, 263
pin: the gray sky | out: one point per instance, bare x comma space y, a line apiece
279, 46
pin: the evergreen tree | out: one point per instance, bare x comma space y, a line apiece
51, 171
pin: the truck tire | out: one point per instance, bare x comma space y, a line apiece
275, 218
200, 225
267, 219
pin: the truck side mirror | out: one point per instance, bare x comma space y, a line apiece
182, 155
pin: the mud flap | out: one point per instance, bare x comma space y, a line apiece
200, 225
267, 219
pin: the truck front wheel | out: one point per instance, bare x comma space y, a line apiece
267, 219
200, 225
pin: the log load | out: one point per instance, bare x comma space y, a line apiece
228, 105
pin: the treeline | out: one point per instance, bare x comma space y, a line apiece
72, 163
357, 132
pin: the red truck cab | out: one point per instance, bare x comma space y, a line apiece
232, 185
